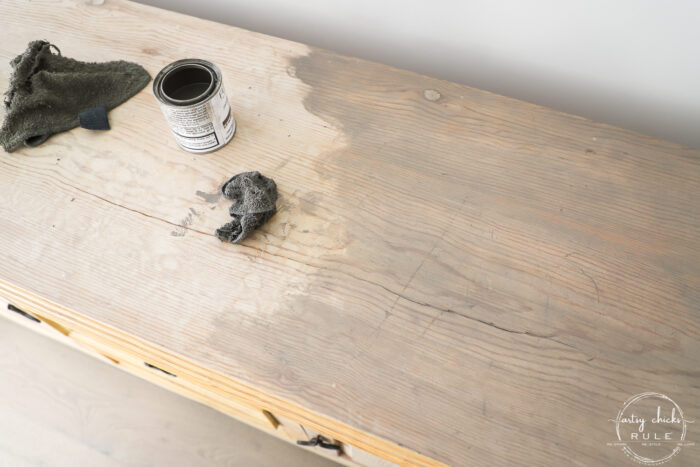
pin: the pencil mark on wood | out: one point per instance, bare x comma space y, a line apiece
425, 330
595, 284
580, 268
185, 223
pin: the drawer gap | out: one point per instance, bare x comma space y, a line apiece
160, 369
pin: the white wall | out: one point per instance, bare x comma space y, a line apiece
630, 63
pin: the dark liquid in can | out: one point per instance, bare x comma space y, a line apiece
187, 83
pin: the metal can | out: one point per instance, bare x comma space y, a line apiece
192, 98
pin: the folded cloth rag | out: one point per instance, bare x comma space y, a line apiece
254, 198
48, 91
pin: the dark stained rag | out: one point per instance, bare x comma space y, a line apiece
254, 199
48, 92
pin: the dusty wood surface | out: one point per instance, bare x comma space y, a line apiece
452, 275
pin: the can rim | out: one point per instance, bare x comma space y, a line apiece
196, 62
191, 100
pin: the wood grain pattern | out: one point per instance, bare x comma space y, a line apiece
453, 276
275, 425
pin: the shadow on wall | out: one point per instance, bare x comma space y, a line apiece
629, 63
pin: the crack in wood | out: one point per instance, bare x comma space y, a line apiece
397, 294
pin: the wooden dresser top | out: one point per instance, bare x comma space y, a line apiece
470, 278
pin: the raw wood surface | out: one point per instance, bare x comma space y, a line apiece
452, 275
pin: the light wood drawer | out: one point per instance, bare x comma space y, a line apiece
159, 374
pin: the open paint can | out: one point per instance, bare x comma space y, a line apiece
192, 97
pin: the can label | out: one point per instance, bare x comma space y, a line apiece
192, 97
202, 127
